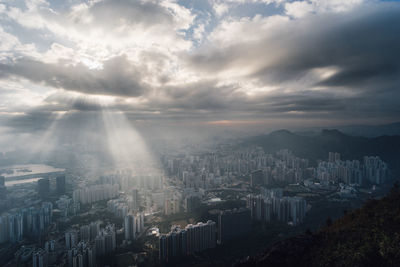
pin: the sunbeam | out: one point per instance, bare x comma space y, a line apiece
126, 145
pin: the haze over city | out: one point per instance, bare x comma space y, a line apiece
127, 124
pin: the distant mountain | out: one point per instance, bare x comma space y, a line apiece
361, 130
369, 236
317, 146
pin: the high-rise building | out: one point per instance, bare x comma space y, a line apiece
135, 200
14, 226
71, 239
130, 227
82, 255
60, 184
94, 229
333, 156
100, 245
50, 246
162, 248
277, 208
194, 238
44, 187
375, 170
106, 240
85, 233
95, 193
233, 223
3, 190
40, 258
25, 222
141, 216
3, 228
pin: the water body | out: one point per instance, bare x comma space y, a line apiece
27, 169
24, 181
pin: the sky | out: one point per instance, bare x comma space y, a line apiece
210, 63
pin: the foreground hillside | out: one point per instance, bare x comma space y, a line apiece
369, 236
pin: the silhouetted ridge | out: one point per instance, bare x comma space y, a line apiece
333, 133
281, 133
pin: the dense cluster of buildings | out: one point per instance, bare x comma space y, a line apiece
67, 206
188, 182
201, 236
82, 254
271, 205
89, 232
40, 258
373, 171
180, 242
119, 207
106, 241
133, 225
90, 241
44, 186
95, 193
27, 222
212, 170
128, 180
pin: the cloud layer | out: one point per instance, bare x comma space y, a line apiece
201, 61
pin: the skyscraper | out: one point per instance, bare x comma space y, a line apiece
60, 184
163, 248
94, 229
71, 239
85, 232
130, 227
181, 242
135, 199
82, 255
44, 187
3, 191
40, 258
106, 240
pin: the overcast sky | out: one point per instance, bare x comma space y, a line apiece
211, 62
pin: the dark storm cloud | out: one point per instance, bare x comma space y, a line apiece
117, 77
205, 95
362, 46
